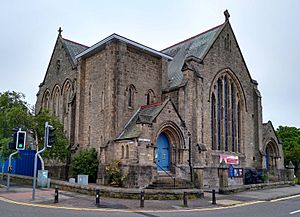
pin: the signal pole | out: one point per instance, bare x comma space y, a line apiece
35, 160
9, 160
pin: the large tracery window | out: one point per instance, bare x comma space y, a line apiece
226, 115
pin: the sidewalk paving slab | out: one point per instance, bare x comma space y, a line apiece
76, 200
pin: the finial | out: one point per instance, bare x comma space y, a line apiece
227, 15
59, 31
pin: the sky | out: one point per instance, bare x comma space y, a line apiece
267, 32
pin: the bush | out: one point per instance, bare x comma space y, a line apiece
85, 162
114, 173
296, 181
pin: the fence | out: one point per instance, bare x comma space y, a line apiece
22, 164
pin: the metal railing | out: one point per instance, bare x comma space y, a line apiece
172, 177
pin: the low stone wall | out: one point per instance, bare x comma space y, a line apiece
129, 193
253, 187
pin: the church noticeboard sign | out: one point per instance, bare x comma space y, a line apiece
229, 159
235, 172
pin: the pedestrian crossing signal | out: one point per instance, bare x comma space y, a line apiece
21, 140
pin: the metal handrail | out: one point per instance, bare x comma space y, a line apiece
167, 174
175, 165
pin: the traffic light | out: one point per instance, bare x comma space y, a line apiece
21, 139
12, 145
50, 136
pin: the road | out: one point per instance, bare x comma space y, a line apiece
277, 208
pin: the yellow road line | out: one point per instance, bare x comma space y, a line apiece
127, 210
285, 198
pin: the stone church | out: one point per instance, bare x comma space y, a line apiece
178, 112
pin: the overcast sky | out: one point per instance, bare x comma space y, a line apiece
267, 32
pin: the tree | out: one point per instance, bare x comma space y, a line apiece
59, 150
290, 137
14, 112
4, 153
85, 162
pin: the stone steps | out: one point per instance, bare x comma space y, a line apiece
168, 183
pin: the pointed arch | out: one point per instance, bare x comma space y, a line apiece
46, 99
130, 93
127, 151
56, 93
176, 141
213, 122
150, 97
66, 92
227, 96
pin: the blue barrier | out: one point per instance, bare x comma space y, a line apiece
22, 164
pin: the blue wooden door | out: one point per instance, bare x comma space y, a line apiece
267, 159
163, 153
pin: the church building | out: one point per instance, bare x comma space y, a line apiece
178, 112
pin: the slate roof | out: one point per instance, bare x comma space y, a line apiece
145, 114
196, 46
73, 48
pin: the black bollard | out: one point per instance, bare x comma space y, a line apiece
184, 200
56, 195
142, 198
214, 202
97, 197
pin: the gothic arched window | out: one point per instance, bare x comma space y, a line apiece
46, 100
131, 96
122, 152
127, 151
55, 100
150, 97
226, 113
232, 118
213, 121
219, 110
66, 95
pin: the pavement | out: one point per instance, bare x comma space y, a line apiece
45, 197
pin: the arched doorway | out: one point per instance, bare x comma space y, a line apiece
272, 154
163, 151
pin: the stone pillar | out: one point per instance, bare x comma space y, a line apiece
198, 177
297, 172
290, 171
223, 177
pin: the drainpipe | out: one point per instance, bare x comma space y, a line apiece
190, 157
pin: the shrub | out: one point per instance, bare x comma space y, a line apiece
85, 162
296, 181
114, 173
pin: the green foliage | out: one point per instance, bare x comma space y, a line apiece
15, 112
85, 162
60, 149
290, 137
4, 152
296, 181
113, 170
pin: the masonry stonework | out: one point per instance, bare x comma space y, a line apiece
175, 113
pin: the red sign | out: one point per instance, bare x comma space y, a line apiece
229, 159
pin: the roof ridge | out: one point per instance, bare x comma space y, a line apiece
151, 105
74, 42
195, 36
